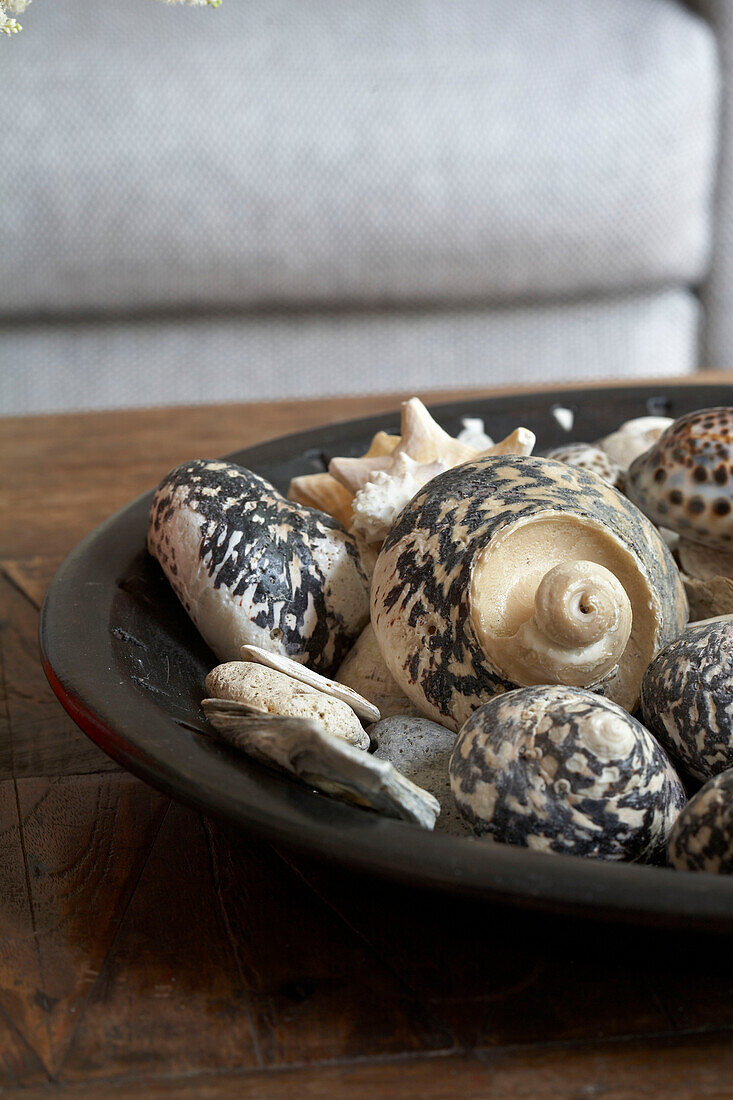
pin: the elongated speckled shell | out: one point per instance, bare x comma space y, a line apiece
562, 770
252, 568
687, 698
422, 579
702, 837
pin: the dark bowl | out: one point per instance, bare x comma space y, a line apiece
129, 667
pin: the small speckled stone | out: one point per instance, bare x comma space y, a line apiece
421, 750
561, 770
687, 698
702, 837
588, 457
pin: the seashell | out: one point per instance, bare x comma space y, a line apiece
708, 578
383, 487
473, 433
702, 836
634, 438
587, 457
561, 770
272, 692
685, 481
687, 698
252, 568
710, 598
421, 750
378, 503
704, 562
361, 706
471, 597
365, 672
300, 746
323, 492
425, 443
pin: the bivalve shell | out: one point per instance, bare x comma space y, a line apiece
302, 747
273, 692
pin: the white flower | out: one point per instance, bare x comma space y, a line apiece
8, 26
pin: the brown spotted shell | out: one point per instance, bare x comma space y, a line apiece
587, 456
685, 481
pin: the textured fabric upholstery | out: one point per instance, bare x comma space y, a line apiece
337, 152
103, 365
717, 293
288, 198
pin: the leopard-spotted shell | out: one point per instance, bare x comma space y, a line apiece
421, 602
252, 568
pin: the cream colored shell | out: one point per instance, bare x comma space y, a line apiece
515, 518
275, 693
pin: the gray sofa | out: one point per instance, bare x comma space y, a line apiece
289, 198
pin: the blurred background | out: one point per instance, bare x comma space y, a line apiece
292, 198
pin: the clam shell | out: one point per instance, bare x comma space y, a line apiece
305, 675
302, 748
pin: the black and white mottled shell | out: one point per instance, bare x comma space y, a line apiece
252, 568
422, 579
586, 456
561, 770
702, 837
687, 698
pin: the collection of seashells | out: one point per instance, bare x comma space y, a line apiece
457, 633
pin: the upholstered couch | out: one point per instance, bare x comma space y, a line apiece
299, 197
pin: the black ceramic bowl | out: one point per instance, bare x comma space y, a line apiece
129, 667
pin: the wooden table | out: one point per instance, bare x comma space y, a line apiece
147, 952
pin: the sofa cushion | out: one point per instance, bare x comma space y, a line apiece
332, 152
86, 365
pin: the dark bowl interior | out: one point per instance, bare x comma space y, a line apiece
129, 667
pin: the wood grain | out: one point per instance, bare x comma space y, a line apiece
247, 968
686, 1069
65, 884
41, 740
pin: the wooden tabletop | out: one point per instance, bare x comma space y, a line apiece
146, 951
